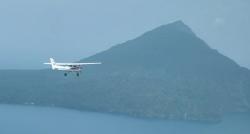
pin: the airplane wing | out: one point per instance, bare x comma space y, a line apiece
77, 64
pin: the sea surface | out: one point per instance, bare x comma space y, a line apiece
41, 120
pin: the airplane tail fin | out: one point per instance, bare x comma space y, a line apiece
52, 62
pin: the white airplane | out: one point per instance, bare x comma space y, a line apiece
68, 67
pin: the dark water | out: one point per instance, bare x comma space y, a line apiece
38, 120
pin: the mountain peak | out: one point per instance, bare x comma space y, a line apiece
177, 26
178, 22
174, 43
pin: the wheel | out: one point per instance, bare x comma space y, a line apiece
77, 74
65, 74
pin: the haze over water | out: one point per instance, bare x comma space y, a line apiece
40, 120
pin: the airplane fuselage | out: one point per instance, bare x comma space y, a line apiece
67, 68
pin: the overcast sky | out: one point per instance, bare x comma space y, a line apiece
31, 31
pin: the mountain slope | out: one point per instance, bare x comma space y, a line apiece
177, 71
165, 73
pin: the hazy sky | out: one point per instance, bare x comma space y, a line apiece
31, 31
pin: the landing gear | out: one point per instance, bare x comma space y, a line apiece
77, 74
65, 74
